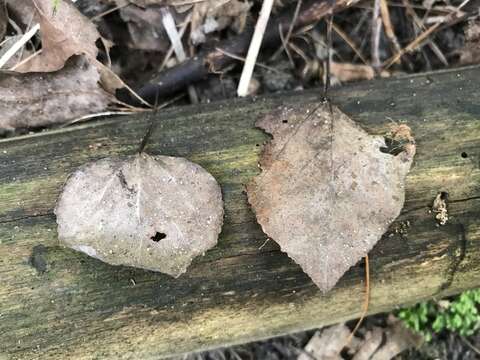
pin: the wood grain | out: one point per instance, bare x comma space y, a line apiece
57, 303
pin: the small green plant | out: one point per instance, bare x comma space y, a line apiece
459, 315
55, 5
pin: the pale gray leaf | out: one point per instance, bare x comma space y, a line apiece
156, 213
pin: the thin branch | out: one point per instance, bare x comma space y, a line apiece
285, 46
366, 302
19, 44
254, 47
241, 58
376, 31
211, 60
350, 42
387, 25
424, 35
176, 40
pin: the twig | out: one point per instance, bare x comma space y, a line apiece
470, 345
27, 59
285, 46
254, 47
366, 301
109, 11
181, 33
350, 42
93, 116
289, 34
424, 35
294, 20
175, 38
153, 123
241, 58
211, 61
418, 25
19, 44
326, 84
376, 30
387, 25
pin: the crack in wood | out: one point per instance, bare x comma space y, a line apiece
457, 253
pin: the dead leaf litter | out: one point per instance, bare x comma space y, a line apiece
327, 193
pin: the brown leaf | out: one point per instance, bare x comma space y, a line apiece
372, 341
22, 11
327, 193
64, 33
145, 28
41, 99
345, 72
214, 15
398, 339
156, 213
470, 52
327, 345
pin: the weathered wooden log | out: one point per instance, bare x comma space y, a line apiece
58, 303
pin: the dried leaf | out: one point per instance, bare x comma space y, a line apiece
470, 52
64, 33
41, 99
214, 15
327, 193
372, 341
398, 338
156, 213
345, 72
328, 344
145, 28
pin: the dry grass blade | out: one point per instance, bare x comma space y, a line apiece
241, 58
366, 301
349, 42
387, 25
424, 35
176, 41
19, 44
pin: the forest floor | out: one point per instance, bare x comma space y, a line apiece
159, 53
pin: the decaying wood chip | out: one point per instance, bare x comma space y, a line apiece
440, 208
398, 338
372, 341
40, 99
326, 192
156, 213
328, 344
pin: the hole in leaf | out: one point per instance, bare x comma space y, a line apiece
393, 147
158, 236
464, 155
